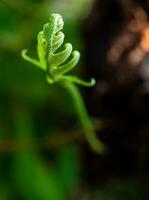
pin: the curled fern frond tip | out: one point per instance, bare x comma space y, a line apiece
55, 63
23, 52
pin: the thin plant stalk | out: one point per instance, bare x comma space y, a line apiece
84, 118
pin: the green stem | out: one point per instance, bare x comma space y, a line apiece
84, 118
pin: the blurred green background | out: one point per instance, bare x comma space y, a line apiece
40, 150
32, 110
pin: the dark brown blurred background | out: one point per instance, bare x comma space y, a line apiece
116, 36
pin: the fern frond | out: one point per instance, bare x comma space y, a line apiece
51, 39
56, 64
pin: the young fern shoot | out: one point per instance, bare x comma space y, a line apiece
56, 66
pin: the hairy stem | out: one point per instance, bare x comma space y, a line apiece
84, 119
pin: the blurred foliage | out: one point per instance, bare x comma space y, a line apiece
30, 108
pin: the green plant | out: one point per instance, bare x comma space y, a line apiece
55, 65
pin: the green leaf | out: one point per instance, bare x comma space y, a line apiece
58, 40
75, 79
29, 59
59, 58
41, 47
57, 71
